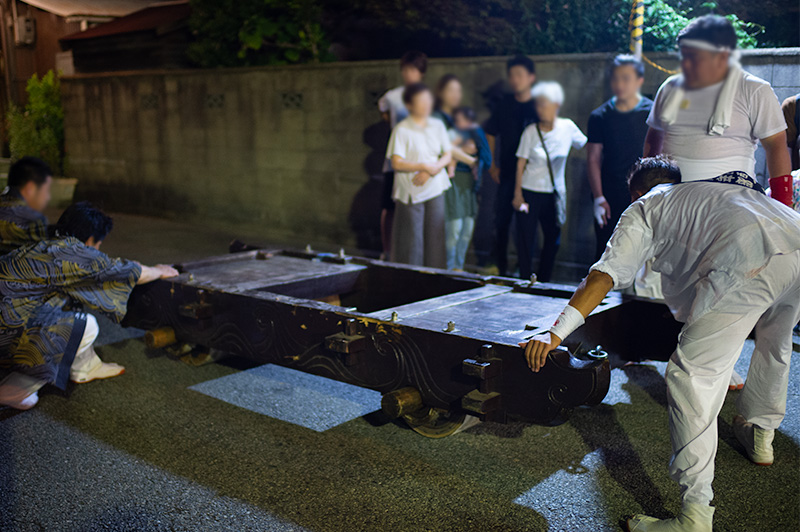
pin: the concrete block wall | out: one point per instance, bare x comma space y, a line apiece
295, 152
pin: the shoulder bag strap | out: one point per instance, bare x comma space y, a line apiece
547, 154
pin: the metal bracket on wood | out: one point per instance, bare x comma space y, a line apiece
481, 369
486, 400
485, 367
196, 311
347, 343
483, 404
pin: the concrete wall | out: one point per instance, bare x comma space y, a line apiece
297, 150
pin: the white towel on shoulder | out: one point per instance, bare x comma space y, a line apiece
721, 117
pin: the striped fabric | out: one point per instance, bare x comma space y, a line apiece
41, 285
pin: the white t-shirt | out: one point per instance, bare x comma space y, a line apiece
756, 114
707, 239
419, 144
392, 102
564, 136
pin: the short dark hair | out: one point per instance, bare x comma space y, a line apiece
628, 60
468, 112
412, 90
523, 61
416, 59
648, 172
710, 28
26, 170
83, 220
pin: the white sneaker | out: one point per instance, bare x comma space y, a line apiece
737, 382
25, 403
755, 440
693, 518
106, 370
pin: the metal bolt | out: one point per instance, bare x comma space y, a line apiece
394, 317
308, 248
534, 279
341, 253
451, 326
598, 353
487, 350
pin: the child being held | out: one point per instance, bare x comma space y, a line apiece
466, 130
461, 199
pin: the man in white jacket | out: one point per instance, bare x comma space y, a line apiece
729, 257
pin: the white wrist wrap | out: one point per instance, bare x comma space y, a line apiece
599, 200
569, 320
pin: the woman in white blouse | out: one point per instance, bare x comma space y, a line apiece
540, 197
420, 150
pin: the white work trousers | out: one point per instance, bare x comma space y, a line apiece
699, 371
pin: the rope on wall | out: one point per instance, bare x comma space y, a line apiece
657, 66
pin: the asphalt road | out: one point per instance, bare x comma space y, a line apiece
146, 452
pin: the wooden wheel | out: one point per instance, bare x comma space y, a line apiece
435, 422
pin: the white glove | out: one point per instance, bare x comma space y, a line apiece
600, 211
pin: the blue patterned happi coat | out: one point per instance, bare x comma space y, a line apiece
39, 284
19, 224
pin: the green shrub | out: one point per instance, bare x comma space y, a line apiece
663, 22
257, 32
38, 128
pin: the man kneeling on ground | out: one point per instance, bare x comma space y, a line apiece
729, 260
45, 337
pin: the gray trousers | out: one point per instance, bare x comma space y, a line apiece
418, 233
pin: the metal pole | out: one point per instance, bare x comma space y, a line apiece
637, 25
9, 49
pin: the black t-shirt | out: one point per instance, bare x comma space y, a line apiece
622, 136
509, 119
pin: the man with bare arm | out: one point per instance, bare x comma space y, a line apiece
737, 270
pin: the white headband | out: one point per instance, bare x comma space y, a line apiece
703, 45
